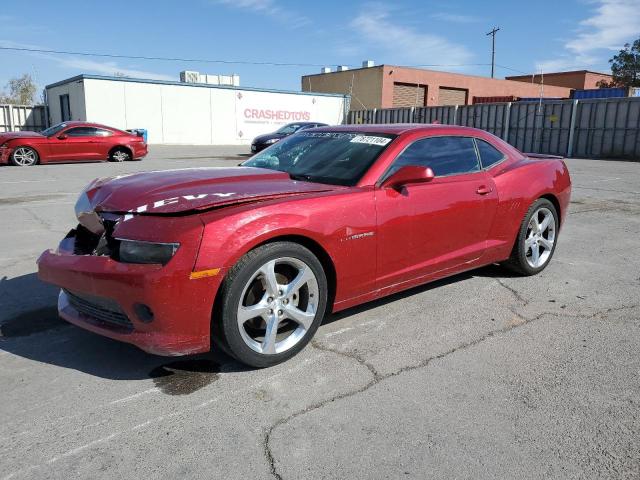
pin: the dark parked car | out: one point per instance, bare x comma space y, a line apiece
268, 139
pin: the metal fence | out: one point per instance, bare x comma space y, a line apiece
594, 128
15, 118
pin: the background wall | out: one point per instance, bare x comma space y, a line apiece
590, 128
75, 90
186, 114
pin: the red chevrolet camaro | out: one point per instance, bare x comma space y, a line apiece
71, 141
249, 259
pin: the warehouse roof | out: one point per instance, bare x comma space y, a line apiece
85, 76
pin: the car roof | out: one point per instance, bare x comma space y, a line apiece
77, 123
399, 128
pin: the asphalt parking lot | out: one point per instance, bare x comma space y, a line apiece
483, 375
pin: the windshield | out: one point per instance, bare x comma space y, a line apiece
336, 158
289, 129
53, 130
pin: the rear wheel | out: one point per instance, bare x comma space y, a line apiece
24, 157
536, 240
119, 155
273, 301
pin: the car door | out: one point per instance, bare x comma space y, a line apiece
427, 228
102, 143
75, 143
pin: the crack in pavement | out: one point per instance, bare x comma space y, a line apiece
377, 377
513, 291
353, 355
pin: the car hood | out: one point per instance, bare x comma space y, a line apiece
5, 137
268, 136
195, 189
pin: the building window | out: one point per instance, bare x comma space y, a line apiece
65, 108
409, 95
453, 96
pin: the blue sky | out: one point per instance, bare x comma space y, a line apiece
555, 35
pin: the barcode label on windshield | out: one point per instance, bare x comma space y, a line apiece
382, 141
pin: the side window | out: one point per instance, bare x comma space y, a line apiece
81, 132
489, 155
100, 132
445, 155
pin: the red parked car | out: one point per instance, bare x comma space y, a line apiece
71, 141
249, 259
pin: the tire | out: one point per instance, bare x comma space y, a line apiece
24, 157
290, 311
119, 154
538, 233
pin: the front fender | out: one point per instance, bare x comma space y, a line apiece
224, 243
343, 225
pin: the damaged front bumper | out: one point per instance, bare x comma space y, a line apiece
161, 309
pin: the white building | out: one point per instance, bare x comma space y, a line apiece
186, 113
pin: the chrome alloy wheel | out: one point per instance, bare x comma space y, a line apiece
120, 156
541, 235
278, 305
24, 156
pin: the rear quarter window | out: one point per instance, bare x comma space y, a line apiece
489, 155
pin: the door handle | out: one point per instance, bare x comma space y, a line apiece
483, 190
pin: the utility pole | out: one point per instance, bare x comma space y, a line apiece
493, 48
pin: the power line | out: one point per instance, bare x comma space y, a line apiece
232, 62
206, 60
167, 59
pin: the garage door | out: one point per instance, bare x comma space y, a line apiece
409, 95
453, 96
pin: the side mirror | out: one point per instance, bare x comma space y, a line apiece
62, 136
409, 174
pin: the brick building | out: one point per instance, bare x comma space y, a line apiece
578, 79
388, 86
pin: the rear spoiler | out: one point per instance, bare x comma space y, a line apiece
136, 132
543, 156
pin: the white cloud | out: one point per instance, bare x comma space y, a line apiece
405, 44
454, 18
109, 68
612, 24
269, 8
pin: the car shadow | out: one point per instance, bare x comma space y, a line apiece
489, 271
34, 331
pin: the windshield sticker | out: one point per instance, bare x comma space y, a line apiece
326, 134
381, 141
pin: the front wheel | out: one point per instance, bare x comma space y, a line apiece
536, 240
24, 157
273, 301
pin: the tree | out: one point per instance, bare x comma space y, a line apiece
625, 67
21, 91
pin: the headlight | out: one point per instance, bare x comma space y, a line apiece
5, 145
87, 217
271, 141
135, 251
